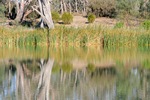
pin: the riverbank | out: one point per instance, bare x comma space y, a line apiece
91, 35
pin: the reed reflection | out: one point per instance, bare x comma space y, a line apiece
48, 79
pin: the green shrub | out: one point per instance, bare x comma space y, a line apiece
146, 24
67, 18
102, 8
119, 25
91, 18
55, 17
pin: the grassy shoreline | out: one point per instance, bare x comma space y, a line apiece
71, 36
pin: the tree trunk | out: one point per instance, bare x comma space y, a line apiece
76, 6
84, 7
61, 7
20, 10
9, 7
9, 10
70, 9
45, 13
64, 4
27, 13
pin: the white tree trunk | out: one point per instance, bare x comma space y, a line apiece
64, 4
45, 12
76, 6
20, 9
61, 7
70, 9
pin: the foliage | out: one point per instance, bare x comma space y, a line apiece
146, 24
127, 7
144, 9
119, 25
91, 18
105, 8
67, 18
55, 17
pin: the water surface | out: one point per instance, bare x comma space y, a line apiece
74, 73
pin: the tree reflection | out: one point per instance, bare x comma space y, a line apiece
44, 79
42, 92
23, 81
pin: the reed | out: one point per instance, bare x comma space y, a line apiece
71, 36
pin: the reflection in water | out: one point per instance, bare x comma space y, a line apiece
75, 77
67, 83
42, 91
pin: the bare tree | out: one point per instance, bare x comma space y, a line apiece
21, 7
63, 7
45, 12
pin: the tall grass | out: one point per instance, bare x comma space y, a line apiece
70, 36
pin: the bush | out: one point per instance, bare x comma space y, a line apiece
91, 18
55, 17
144, 9
102, 8
67, 18
146, 24
119, 25
127, 7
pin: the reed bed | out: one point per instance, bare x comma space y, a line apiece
71, 36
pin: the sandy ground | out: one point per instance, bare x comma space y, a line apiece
82, 21
79, 21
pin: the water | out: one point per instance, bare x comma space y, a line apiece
69, 73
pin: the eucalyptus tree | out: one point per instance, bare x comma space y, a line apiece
23, 8
16, 9
44, 9
77, 6
7, 5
